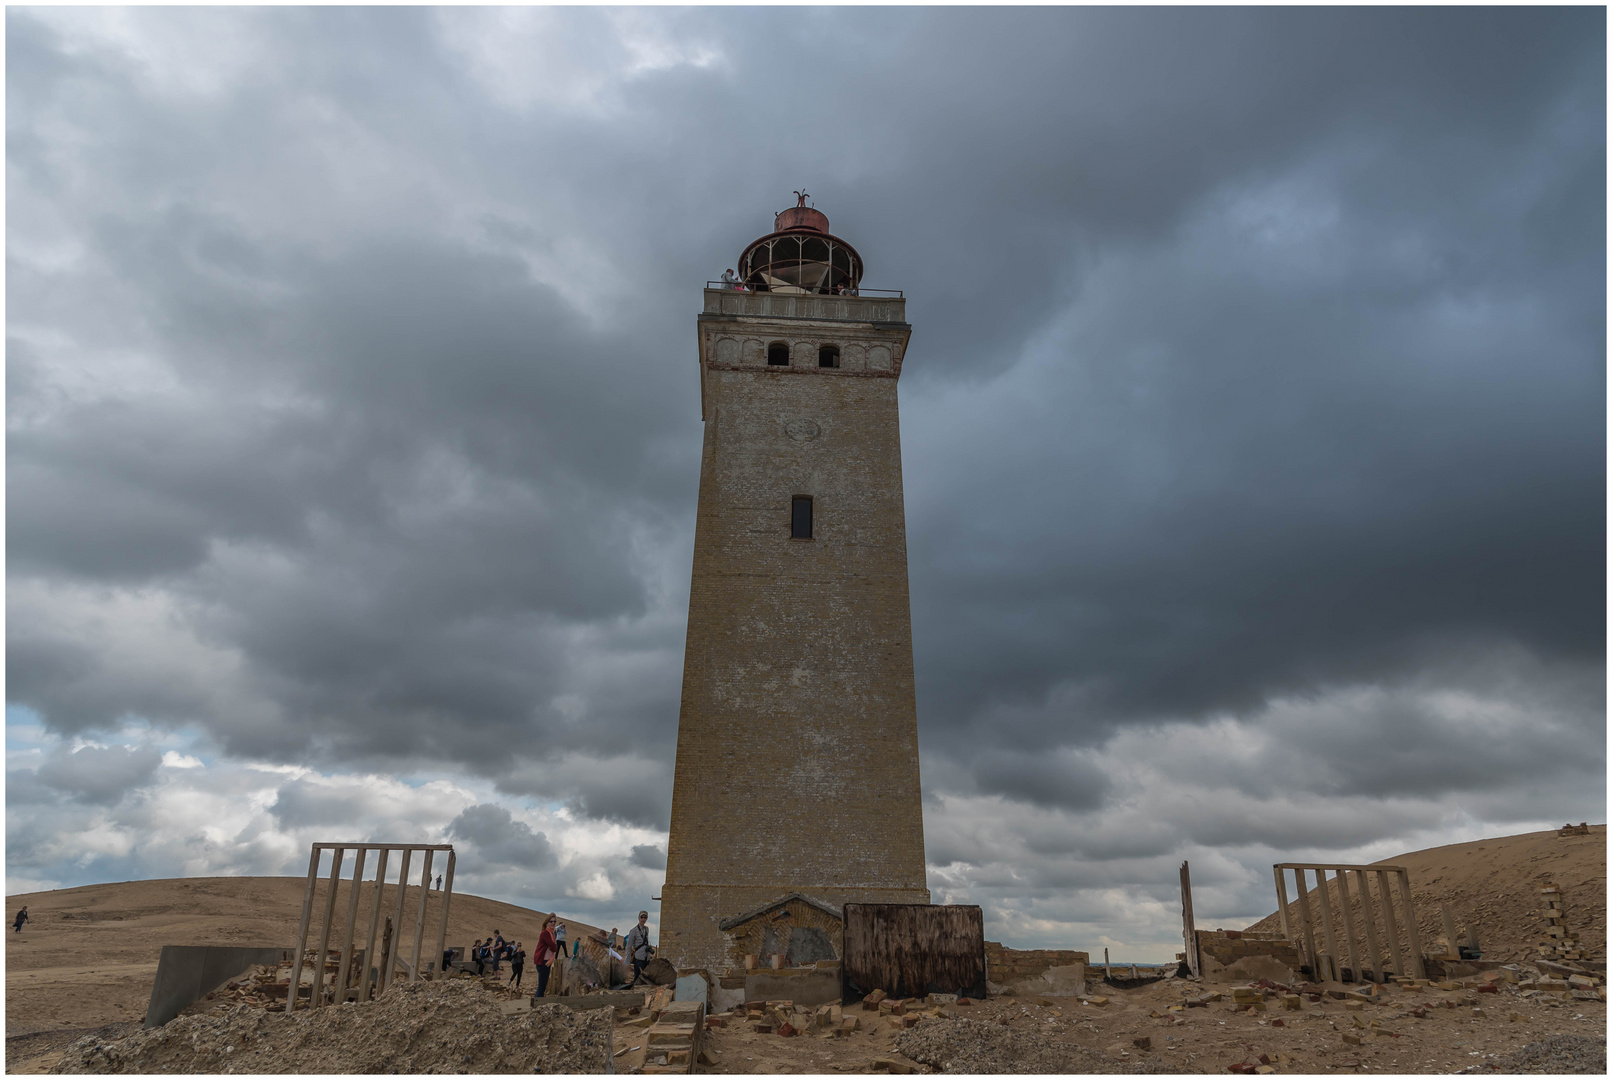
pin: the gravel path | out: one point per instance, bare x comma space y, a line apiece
1553, 1054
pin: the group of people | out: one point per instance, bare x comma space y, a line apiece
492, 951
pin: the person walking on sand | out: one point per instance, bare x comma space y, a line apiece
546, 951
638, 947
22, 917
517, 964
475, 956
559, 937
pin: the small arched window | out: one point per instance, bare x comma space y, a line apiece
828, 356
778, 354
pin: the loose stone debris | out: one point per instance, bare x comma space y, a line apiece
972, 1046
455, 1026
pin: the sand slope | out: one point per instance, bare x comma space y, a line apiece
88, 955
1496, 882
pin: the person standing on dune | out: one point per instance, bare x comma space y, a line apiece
22, 917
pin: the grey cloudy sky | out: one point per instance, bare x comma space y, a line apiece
1253, 427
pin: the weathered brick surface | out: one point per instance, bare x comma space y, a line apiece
797, 746
1229, 946
1004, 965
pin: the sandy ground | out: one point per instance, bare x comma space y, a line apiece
1496, 882
1203, 1040
87, 956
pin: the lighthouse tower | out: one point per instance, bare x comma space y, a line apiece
796, 787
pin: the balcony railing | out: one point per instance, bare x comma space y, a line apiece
887, 293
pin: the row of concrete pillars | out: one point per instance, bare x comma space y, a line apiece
1325, 964
383, 972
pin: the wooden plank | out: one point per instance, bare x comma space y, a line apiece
1370, 918
442, 925
1187, 928
909, 950
419, 919
1387, 900
388, 847
397, 920
1412, 934
352, 921
1326, 923
1281, 903
316, 998
1341, 878
370, 961
302, 928
1309, 924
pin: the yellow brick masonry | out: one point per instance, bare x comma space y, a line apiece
797, 747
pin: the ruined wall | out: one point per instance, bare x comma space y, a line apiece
1228, 946
797, 747
1004, 965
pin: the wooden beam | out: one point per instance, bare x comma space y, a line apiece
316, 996
419, 919
371, 963
302, 929
1411, 932
352, 921
1387, 899
1326, 921
397, 919
1370, 918
1309, 925
442, 924
1281, 902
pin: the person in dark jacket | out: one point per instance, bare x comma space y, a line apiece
517, 964
22, 917
638, 947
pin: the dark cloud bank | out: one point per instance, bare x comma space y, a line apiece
1254, 425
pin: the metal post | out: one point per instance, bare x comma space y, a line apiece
302, 928
419, 920
1326, 922
1309, 924
397, 920
371, 961
317, 992
1386, 898
1281, 901
1370, 918
1413, 935
352, 920
1344, 905
442, 925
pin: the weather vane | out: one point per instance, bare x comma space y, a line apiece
800, 198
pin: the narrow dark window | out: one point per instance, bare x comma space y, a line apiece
800, 518
778, 354
828, 356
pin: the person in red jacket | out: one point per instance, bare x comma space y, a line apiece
547, 950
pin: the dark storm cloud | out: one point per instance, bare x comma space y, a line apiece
500, 839
100, 774
649, 857
1257, 380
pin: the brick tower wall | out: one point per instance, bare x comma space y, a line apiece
797, 748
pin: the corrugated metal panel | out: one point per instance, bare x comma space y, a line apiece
909, 950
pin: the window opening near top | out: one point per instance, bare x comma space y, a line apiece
828, 356
800, 518
778, 354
